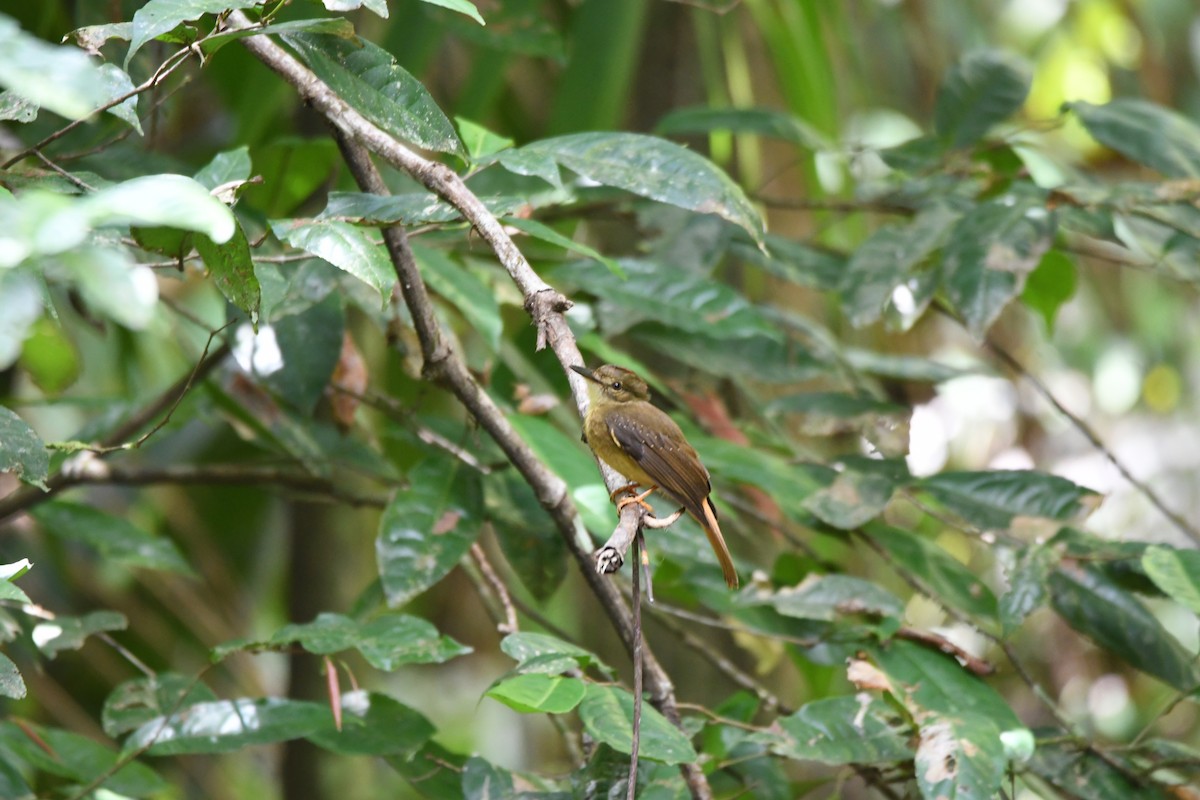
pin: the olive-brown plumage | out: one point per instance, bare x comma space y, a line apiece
645, 445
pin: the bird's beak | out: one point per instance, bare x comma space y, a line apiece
585, 372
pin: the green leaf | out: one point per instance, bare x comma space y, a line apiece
112, 284
347, 247
309, 345
11, 683
411, 208
112, 537
569, 459
1027, 585
461, 6
842, 730
860, 492
889, 258
983, 89
225, 726
465, 291
374, 724
683, 300
1050, 285
643, 165
49, 355
22, 451
756, 357
535, 692
793, 261
482, 780
8, 574
1145, 133
69, 633
292, 170
1108, 615
232, 270
479, 141
20, 309
825, 597
175, 201
61, 79
541, 652
377, 6
607, 714
994, 498
367, 77
136, 702
539, 230
427, 527
762, 121
79, 759
923, 679
945, 576
230, 166
1085, 774
991, 251
1176, 572
959, 757
526, 533
342, 28
157, 17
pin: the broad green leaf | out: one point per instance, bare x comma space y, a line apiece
157, 17
79, 759
11, 683
8, 574
433, 770
307, 347
478, 140
788, 484
959, 756
607, 714
22, 451
12, 782
643, 165
535, 692
756, 357
112, 284
367, 77
342, 28
1145, 133
924, 679
666, 294
377, 6
136, 702
92, 37
989, 253
1050, 285
860, 492
376, 725
888, 259
225, 726
482, 780
945, 576
21, 305
175, 201
1027, 585
1176, 572
293, 170
390, 641
230, 166
992, 499
825, 412
461, 6
465, 290
111, 537
540, 230
69, 633
825, 597
232, 270
842, 730
568, 458
984, 88
61, 79
119, 85
549, 654
762, 121
427, 527
49, 355
411, 208
1117, 621
347, 247
908, 368
793, 261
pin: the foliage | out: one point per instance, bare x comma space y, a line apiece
199, 302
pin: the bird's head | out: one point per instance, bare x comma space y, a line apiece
614, 384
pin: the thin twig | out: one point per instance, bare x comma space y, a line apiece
631, 790
509, 623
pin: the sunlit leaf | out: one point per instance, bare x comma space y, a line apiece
1145, 133
842, 730
157, 17
22, 451
993, 498
69, 633
376, 725
1176, 572
61, 79
644, 165
78, 758
11, 683
224, 726
346, 246
535, 692
136, 702
949, 580
368, 77
607, 714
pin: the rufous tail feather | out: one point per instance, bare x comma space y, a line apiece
713, 531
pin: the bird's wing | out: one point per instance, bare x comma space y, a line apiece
671, 462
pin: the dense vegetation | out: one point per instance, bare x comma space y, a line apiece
292, 497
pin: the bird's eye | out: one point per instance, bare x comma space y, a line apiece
616, 385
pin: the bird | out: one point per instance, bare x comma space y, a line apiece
640, 441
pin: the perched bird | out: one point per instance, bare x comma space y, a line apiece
645, 445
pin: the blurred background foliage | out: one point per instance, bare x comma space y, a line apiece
779, 367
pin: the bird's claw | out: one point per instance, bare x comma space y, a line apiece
608, 560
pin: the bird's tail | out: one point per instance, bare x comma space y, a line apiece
712, 530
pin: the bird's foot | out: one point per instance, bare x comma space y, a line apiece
639, 499
628, 488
